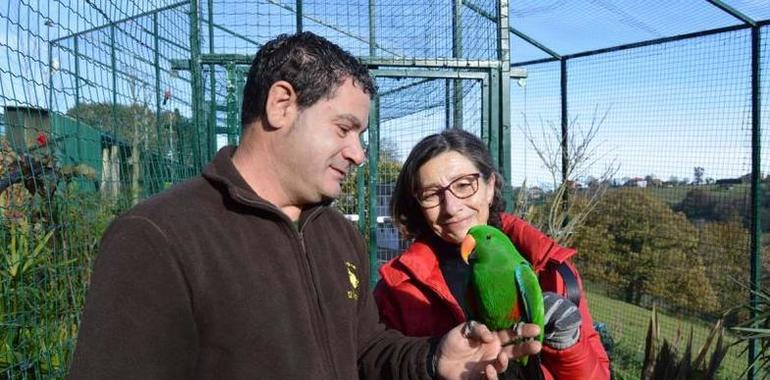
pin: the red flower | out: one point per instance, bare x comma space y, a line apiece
41, 139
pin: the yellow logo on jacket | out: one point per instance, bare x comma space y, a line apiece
353, 292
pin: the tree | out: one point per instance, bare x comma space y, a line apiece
388, 167
566, 207
698, 173
640, 248
99, 115
723, 246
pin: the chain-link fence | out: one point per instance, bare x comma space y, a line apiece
642, 147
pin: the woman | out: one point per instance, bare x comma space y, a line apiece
447, 185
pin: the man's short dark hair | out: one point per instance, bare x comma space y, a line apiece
313, 65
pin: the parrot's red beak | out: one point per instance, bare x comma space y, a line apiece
467, 247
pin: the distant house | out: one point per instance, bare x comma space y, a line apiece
636, 182
535, 193
728, 183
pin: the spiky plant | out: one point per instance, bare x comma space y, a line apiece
662, 359
756, 328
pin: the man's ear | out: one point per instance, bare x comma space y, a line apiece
281, 105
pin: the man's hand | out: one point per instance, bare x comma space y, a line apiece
562, 321
471, 351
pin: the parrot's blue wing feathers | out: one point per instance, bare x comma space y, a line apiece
531, 296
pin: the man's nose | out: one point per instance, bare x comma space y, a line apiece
355, 152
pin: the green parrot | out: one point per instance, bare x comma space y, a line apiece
502, 286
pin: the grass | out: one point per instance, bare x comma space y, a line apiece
628, 326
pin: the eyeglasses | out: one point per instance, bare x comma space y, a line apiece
462, 187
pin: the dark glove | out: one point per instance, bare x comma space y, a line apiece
562, 321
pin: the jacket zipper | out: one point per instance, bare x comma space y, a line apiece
324, 333
323, 339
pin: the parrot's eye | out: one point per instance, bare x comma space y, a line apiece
489, 237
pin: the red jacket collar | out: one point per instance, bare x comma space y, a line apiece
419, 261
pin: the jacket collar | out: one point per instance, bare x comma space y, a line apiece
222, 173
419, 263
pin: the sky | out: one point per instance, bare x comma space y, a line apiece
668, 107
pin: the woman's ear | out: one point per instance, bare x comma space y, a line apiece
491, 188
281, 105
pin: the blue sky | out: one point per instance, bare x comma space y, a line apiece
669, 107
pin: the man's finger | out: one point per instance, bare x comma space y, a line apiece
501, 364
527, 348
490, 373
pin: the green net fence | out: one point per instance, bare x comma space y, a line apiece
104, 103
93, 120
669, 127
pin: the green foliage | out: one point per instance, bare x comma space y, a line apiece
756, 328
723, 204
723, 248
44, 272
642, 249
700, 203
388, 167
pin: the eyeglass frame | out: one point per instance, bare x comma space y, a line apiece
441, 191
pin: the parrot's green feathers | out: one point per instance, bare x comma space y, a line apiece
504, 287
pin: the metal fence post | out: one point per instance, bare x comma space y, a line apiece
504, 56
374, 149
457, 52
756, 144
196, 80
211, 134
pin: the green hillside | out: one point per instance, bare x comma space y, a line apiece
628, 325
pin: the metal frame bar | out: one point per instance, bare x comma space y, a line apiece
564, 129
156, 58
113, 64
374, 146
733, 12
756, 169
518, 33
134, 17
362, 189
211, 133
231, 32
635, 45
196, 80
504, 104
298, 14
76, 47
457, 53
478, 75
447, 63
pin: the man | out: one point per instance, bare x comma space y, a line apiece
246, 272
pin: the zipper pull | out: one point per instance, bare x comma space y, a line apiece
301, 241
